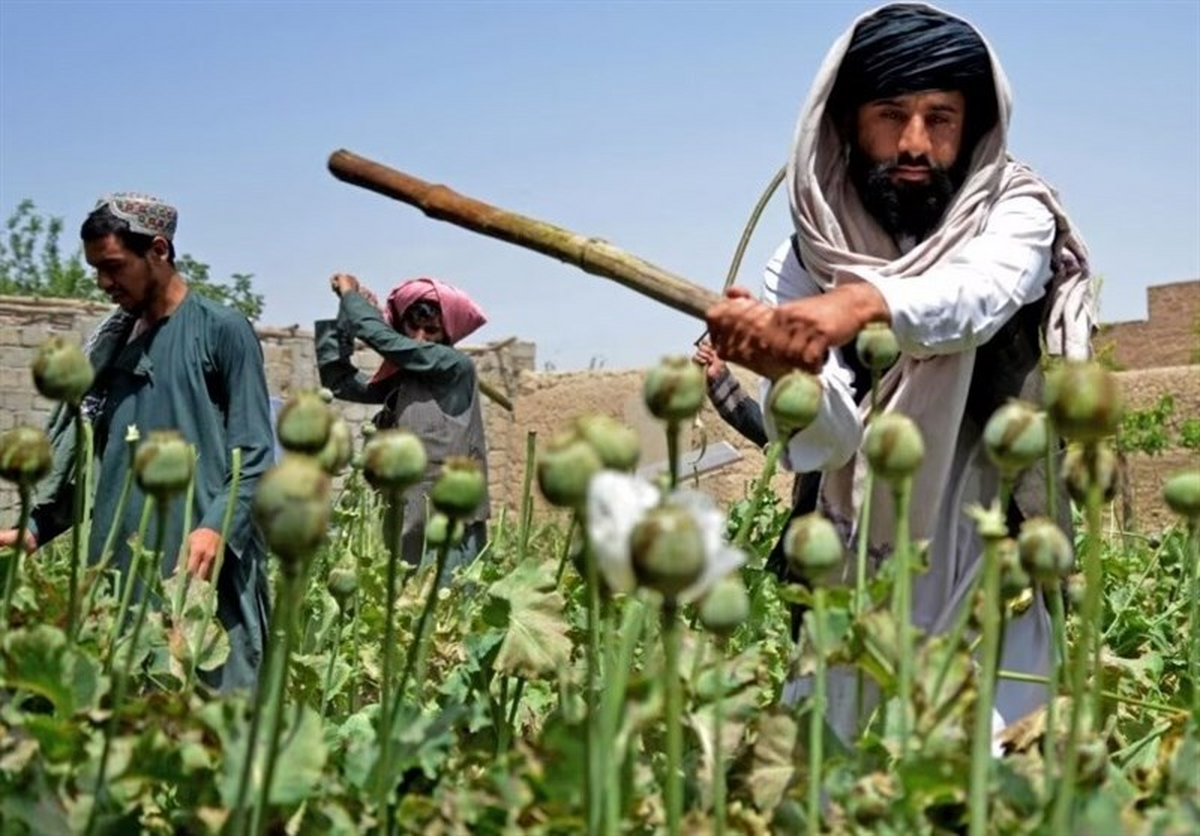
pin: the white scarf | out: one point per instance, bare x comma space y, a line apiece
837, 235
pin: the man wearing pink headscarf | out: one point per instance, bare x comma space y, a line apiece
424, 384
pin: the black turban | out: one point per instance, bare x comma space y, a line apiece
906, 48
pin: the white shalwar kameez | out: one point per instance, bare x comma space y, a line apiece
955, 307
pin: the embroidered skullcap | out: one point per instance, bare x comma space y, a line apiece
145, 215
907, 48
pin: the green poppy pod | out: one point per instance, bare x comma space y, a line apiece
291, 507
61, 371
674, 389
667, 550
304, 422
342, 584
1016, 437
564, 469
794, 402
1045, 551
394, 460
725, 607
615, 443
876, 346
812, 546
442, 530
459, 489
25, 456
894, 446
163, 464
1182, 494
1084, 401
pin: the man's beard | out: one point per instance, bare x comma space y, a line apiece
903, 209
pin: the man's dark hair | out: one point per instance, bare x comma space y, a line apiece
102, 223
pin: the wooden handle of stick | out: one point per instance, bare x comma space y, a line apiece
589, 254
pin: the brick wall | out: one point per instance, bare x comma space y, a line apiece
1169, 336
545, 401
287, 352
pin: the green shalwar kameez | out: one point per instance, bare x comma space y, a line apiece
199, 371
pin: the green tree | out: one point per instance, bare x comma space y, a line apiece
32, 264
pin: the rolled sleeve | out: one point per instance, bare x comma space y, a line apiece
961, 304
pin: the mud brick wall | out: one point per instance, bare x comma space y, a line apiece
288, 354
1169, 336
545, 402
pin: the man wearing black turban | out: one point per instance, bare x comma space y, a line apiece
900, 52
909, 211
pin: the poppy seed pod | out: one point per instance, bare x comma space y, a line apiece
1084, 401
674, 389
615, 443
794, 402
439, 529
1086, 465
1182, 494
565, 468
291, 507
342, 583
876, 346
338, 449
394, 460
163, 464
1045, 551
304, 423
61, 371
725, 607
1015, 437
459, 488
667, 550
894, 446
25, 456
812, 546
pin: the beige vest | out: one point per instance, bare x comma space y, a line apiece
412, 406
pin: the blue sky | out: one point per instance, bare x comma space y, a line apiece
652, 125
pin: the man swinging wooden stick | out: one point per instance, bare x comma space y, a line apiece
908, 211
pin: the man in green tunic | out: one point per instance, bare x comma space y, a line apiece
170, 359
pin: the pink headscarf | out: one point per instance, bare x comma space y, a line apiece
461, 317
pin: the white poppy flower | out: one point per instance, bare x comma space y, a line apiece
616, 503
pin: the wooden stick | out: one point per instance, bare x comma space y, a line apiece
495, 395
589, 254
